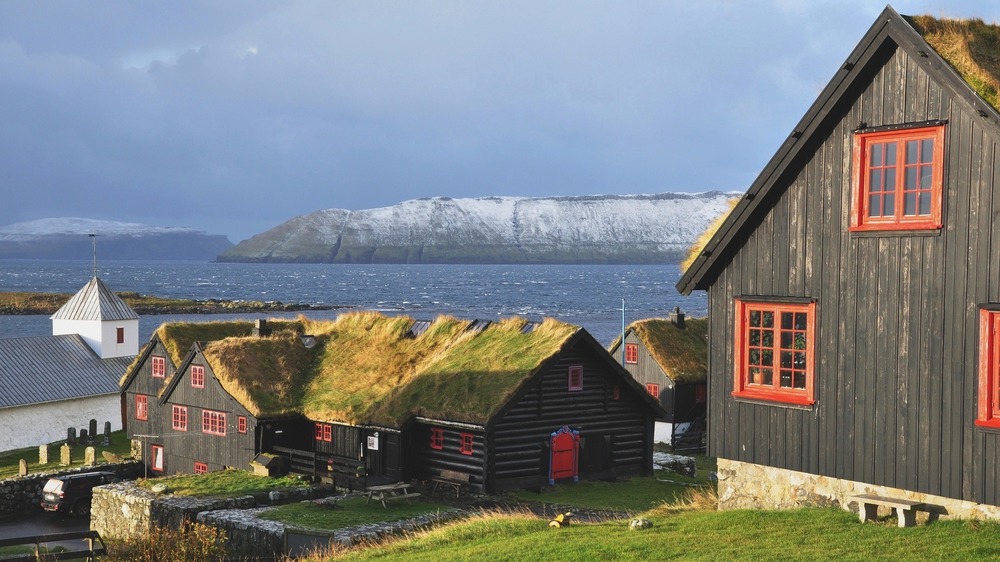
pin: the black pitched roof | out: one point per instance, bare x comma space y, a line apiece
890, 30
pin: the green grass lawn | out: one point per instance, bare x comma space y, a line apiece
222, 483
350, 512
120, 445
693, 534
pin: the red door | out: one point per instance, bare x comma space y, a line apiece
565, 449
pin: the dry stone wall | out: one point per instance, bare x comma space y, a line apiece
24, 493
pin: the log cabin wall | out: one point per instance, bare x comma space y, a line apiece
616, 434
896, 333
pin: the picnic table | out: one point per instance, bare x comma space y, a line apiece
390, 492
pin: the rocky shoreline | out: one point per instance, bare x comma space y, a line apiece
12, 304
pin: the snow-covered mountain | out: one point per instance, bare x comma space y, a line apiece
589, 229
68, 238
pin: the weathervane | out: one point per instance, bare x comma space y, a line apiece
93, 237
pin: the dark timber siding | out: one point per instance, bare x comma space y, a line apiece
182, 449
647, 370
142, 382
616, 435
429, 462
897, 314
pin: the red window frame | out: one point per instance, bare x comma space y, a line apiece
120, 334
200, 467
323, 432
241, 424
774, 352
180, 418
198, 376
156, 457
884, 164
465, 443
574, 378
653, 389
159, 366
213, 423
988, 399
437, 438
631, 353
141, 407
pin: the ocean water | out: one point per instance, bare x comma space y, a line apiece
587, 295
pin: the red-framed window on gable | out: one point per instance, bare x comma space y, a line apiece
465, 444
988, 398
631, 353
213, 423
241, 424
156, 457
575, 378
200, 467
141, 407
180, 418
774, 352
437, 438
120, 335
898, 179
653, 389
198, 376
324, 432
159, 366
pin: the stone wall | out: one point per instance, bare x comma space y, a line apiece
753, 486
125, 510
24, 493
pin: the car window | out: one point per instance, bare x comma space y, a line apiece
53, 485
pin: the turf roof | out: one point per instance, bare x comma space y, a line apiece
368, 368
971, 46
682, 354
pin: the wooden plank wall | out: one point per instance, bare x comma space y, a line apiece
619, 429
897, 317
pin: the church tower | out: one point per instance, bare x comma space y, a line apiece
108, 325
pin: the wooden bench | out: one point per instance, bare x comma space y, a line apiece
905, 509
453, 479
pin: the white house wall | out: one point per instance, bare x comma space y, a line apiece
38, 424
102, 337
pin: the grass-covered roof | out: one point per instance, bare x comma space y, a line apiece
681, 353
971, 46
369, 368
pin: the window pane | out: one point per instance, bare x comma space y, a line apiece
927, 150
786, 340
801, 320
800, 380
767, 338
910, 179
768, 318
755, 318
874, 206
926, 176
912, 150
786, 379
890, 154
768, 377
754, 358
876, 181
786, 320
876, 155
786, 359
889, 205
767, 358
890, 180
799, 360
755, 338
925, 203
909, 202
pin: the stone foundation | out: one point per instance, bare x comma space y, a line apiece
753, 486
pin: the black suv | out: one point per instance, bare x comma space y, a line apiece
72, 493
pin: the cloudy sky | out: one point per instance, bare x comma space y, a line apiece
233, 117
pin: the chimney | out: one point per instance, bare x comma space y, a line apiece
260, 328
677, 318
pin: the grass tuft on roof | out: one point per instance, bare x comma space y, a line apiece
682, 354
971, 46
703, 239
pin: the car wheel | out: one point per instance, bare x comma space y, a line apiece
81, 509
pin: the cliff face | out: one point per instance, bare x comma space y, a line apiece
594, 229
67, 238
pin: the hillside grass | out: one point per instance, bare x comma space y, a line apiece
350, 512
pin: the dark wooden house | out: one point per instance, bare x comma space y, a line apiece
369, 399
669, 358
854, 291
